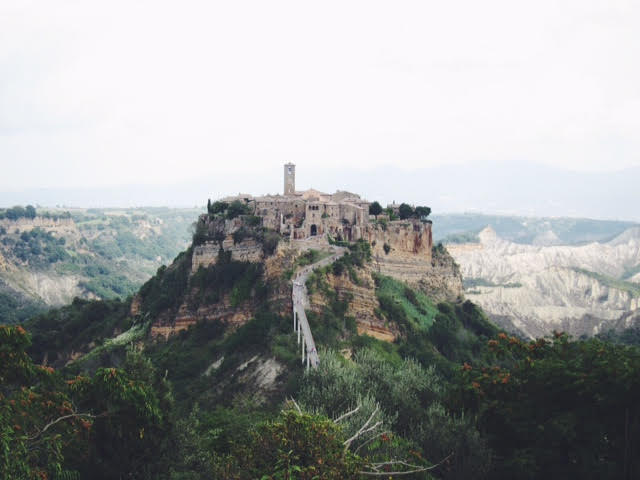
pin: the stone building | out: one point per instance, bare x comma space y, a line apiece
310, 213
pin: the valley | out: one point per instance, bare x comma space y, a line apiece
54, 255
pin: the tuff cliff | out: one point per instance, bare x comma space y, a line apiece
405, 252
402, 250
357, 289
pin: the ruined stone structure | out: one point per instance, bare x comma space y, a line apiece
310, 213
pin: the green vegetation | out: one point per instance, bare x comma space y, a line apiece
406, 211
628, 336
165, 291
37, 247
227, 210
622, 285
18, 212
630, 272
75, 327
481, 282
451, 398
465, 237
242, 279
310, 257
103, 426
109, 253
291, 446
375, 209
558, 408
16, 307
414, 309
407, 400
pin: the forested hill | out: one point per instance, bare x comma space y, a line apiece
50, 256
198, 376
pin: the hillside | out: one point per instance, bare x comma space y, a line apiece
543, 231
209, 380
581, 289
48, 257
219, 325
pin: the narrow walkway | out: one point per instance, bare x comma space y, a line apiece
301, 300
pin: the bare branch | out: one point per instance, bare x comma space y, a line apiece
348, 414
370, 440
348, 442
415, 468
60, 419
295, 404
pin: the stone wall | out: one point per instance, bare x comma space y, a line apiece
207, 253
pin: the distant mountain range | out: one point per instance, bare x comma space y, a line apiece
499, 188
464, 228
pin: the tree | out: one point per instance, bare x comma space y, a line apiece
237, 208
30, 211
422, 212
375, 209
557, 408
51, 428
405, 211
16, 212
217, 207
294, 445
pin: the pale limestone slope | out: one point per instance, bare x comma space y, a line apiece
539, 289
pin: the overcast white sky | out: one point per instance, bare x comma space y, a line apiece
102, 93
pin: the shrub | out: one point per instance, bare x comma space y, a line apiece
237, 208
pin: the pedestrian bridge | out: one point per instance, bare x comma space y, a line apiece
300, 301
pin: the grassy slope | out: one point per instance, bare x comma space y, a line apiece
419, 309
622, 285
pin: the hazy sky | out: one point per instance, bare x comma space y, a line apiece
100, 93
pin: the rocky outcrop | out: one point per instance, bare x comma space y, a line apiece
362, 306
405, 237
49, 224
241, 237
207, 253
231, 316
538, 289
438, 276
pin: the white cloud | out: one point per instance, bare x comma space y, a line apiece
101, 93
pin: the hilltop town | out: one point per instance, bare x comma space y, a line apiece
311, 219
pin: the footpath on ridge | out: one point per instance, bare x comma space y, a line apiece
301, 300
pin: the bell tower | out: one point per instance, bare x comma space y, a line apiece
289, 179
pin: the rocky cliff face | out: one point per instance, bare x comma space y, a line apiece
538, 289
363, 303
436, 274
403, 237
226, 310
